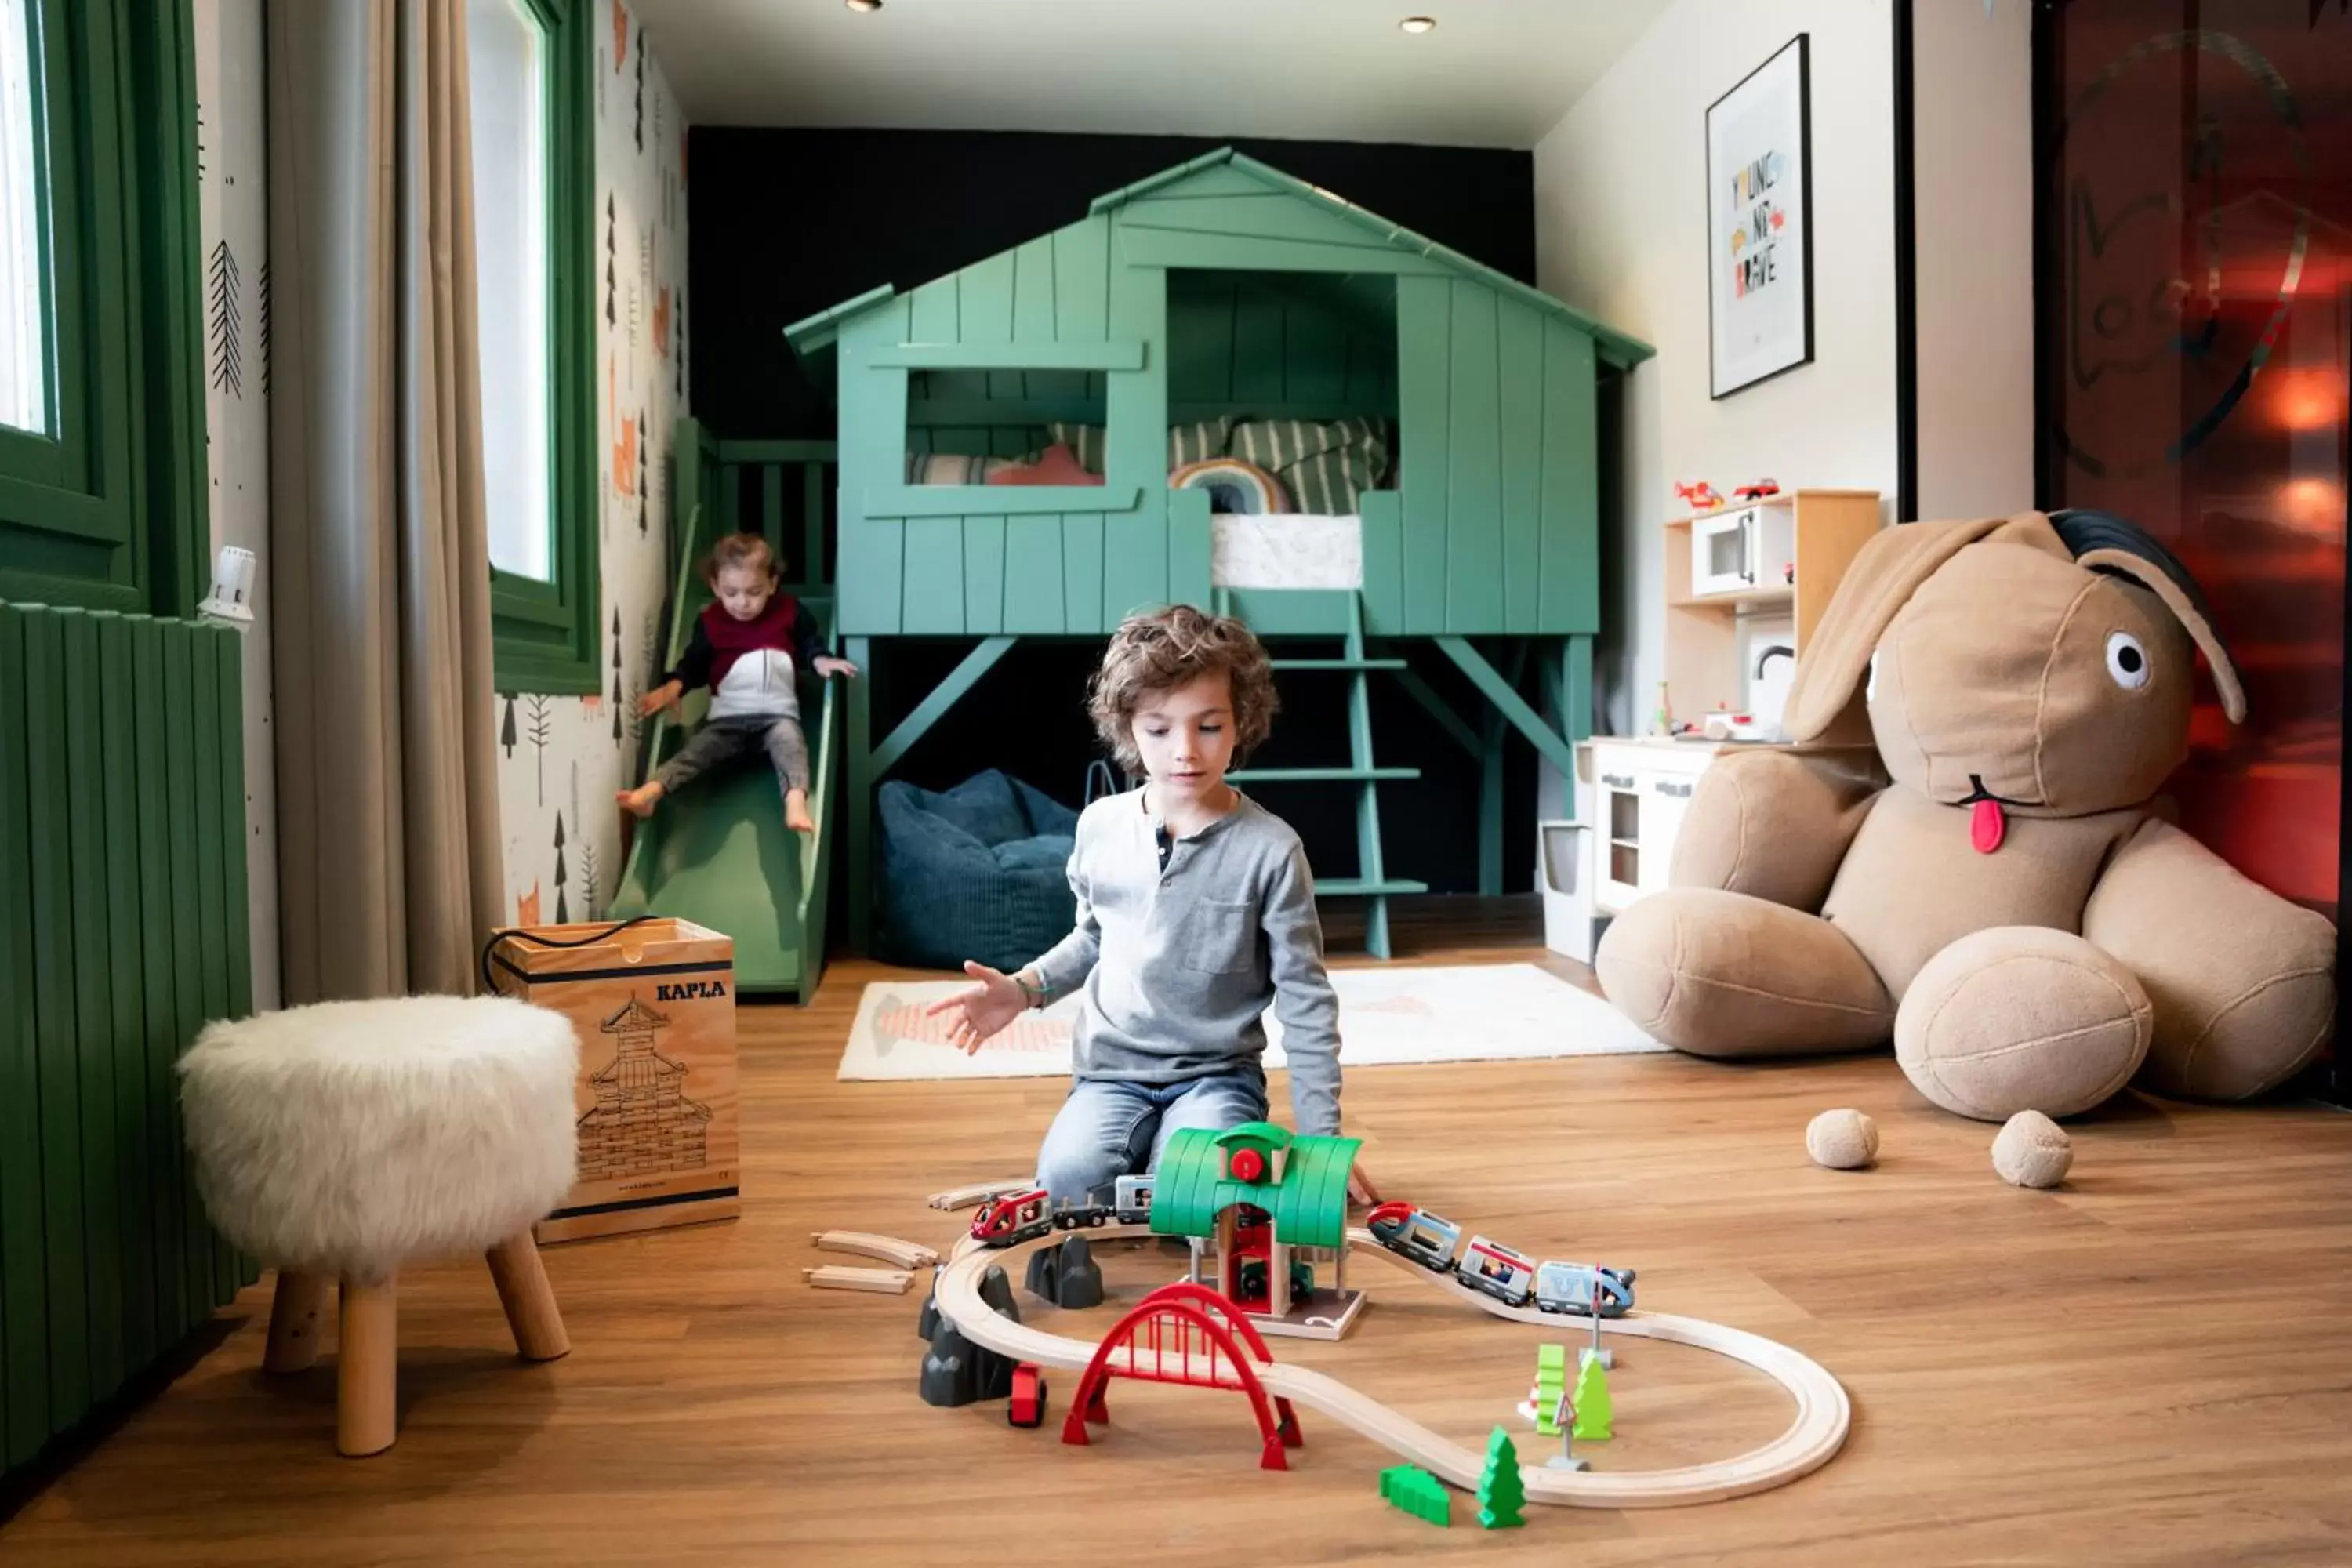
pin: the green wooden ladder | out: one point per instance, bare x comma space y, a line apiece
1371, 881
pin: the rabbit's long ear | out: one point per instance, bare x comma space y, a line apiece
1886, 572
2104, 543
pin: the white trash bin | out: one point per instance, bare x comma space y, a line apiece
1564, 876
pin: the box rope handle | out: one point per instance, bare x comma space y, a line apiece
489, 982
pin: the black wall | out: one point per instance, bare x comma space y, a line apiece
789, 223
785, 224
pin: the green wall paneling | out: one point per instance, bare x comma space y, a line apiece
1135, 546
138, 1134
1034, 597
1519, 385
1265, 344
1082, 571
93, 1010
1260, 214
983, 574
1383, 536
57, 1085
1425, 357
1141, 246
1570, 592
160, 976
1474, 491
1188, 548
931, 601
25, 1416
122, 853
873, 453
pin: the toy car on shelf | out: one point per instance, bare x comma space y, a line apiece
1699, 494
1758, 491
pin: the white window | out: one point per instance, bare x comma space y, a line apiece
508, 59
24, 292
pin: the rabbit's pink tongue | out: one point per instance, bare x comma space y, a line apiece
1986, 825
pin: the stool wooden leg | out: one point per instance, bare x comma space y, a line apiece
297, 1317
367, 1371
523, 1292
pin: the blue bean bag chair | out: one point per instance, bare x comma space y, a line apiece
981, 871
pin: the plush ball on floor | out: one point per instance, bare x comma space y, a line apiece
1843, 1139
2032, 1150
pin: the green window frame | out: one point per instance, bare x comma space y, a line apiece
108, 508
544, 632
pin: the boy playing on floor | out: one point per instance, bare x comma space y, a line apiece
1195, 911
745, 645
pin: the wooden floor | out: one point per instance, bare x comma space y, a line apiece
2151, 1366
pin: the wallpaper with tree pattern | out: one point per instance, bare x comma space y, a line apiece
560, 758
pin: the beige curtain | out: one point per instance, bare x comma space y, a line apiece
388, 848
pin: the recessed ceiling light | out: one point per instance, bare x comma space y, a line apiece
1418, 24
863, 5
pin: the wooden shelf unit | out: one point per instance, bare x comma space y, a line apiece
1829, 529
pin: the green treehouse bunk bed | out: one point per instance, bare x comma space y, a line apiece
1286, 408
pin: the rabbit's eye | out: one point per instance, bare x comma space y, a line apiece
1870, 686
2126, 661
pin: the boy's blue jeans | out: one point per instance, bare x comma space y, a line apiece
1109, 1129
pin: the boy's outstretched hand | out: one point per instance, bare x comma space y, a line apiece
1360, 1187
826, 664
981, 1009
659, 698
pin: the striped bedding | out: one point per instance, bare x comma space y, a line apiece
1324, 466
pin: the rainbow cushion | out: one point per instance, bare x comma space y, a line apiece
1234, 486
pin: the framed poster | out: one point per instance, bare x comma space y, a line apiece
1760, 225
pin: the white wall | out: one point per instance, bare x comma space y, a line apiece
1972, 163
1621, 230
233, 217
570, 753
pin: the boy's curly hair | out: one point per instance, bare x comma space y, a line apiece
740, 550
1163, 649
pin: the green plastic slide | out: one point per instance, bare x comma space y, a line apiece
718, 853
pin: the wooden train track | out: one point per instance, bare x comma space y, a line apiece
1811, 1440
836, 1277
865, 1244
978, 1192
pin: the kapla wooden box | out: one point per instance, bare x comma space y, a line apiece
653, 1005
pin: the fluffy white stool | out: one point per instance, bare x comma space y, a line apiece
340, 1141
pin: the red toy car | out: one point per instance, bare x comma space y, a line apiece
1027, 1406
1758, 491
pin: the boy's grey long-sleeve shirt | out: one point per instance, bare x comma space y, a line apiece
1180, 966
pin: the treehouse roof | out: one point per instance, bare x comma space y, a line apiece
1228, 173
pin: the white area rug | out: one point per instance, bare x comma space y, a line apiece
1469, 1013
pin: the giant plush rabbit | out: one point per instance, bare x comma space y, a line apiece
2013, 908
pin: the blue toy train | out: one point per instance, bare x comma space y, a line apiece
1509, 1276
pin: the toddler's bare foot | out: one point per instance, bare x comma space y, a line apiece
796, 812
642, 799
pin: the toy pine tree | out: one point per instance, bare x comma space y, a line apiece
1501, 1493
1551, 1377
1593, 1410
1417, 1493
